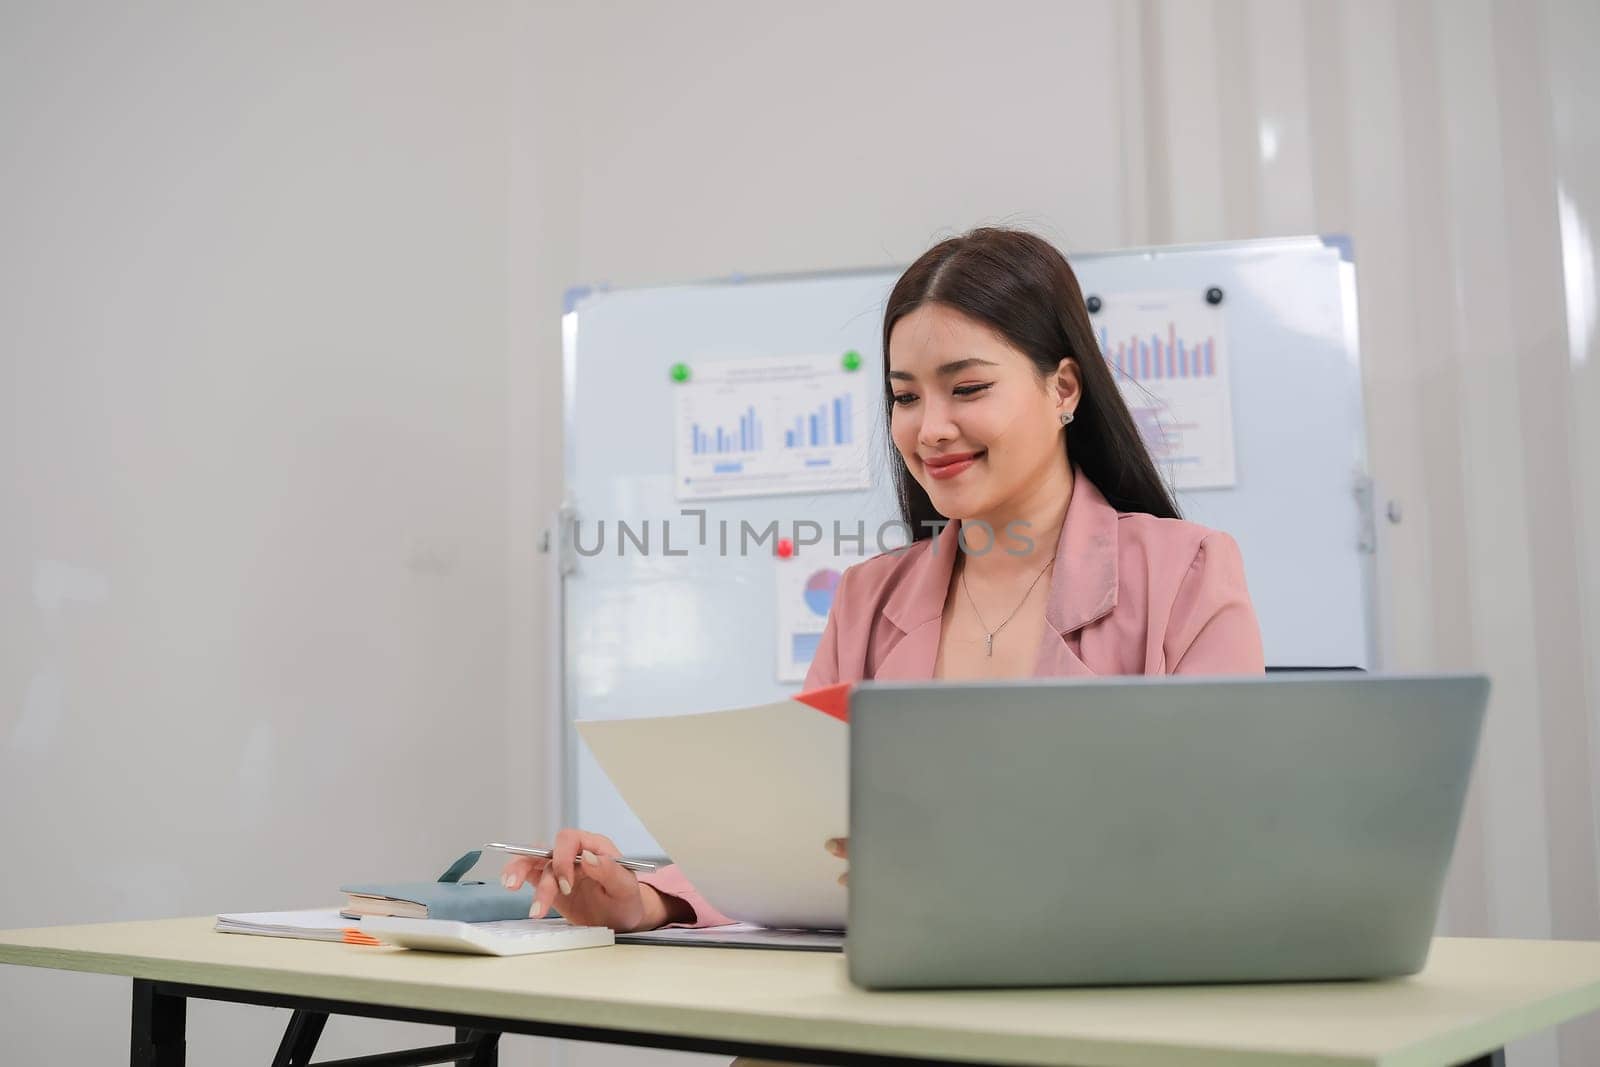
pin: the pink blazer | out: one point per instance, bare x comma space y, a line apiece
1130, 594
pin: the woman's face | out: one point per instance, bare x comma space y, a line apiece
976, 426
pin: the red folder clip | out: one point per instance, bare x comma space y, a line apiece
830, 700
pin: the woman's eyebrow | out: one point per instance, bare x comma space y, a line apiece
948, 368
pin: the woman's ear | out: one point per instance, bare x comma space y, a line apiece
1068, 386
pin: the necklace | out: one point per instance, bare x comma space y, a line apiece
988, 634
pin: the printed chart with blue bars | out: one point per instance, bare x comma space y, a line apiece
817, 593
830, 424
770, 425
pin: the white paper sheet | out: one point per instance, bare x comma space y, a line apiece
743, 801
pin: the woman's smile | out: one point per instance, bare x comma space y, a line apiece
951, 464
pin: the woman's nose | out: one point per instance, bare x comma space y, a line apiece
936, 425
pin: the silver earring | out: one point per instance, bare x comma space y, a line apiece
1066, 417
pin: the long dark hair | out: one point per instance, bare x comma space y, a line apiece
1019, 285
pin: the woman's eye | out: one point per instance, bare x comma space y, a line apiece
970, 390
903, 399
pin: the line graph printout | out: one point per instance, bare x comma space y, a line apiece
770, 425
1169, 354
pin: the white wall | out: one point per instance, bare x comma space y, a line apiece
254, 474
722, 136
280, 297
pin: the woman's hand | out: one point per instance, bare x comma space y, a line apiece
585, 884
840, 846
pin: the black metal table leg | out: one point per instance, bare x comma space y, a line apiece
300, 1038
159, 1019
487, 1053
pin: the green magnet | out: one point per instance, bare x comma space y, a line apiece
852, 360
680, 372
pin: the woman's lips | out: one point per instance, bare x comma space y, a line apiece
949, 466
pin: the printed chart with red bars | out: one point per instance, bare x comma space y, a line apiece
1168, 353
1161, 355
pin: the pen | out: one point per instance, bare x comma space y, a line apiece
544, 854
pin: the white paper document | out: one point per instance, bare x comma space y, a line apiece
743, 801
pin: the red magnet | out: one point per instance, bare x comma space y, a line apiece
785, 548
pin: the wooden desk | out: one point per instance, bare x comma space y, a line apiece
1473, 998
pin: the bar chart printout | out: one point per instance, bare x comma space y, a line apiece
770, 425
1169, 355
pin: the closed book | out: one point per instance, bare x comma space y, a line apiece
446, 898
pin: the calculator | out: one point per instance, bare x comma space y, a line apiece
512, 937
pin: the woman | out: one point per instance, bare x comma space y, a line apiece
1045, 543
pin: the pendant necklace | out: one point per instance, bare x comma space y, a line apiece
988, 634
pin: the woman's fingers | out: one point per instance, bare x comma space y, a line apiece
564, 854
544, 895
566, 851
519, 870
839, 846
601, 845
613, 879
574, 857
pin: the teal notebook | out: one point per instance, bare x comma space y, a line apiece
447, 898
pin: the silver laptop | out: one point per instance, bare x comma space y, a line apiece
1045, 832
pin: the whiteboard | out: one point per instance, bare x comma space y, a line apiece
647, 633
